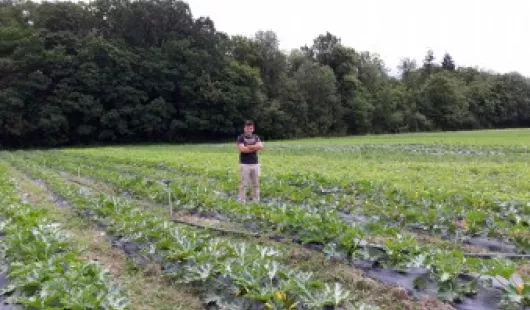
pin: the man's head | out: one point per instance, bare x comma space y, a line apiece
249, 128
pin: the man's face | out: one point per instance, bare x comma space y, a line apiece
249, 129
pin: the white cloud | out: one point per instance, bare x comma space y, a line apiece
490, 34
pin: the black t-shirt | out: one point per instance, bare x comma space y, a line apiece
248, 158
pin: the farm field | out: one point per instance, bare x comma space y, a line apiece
415, 221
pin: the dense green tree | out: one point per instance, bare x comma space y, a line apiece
273, 61
448, 63
318, 89
392, 109
428, 62
322, 48
408, 68
122, 71
511, 96
444, 101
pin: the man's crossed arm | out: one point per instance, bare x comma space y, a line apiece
250, 148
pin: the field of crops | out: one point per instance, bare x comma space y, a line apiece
420, 221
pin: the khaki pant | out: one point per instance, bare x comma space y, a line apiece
249, 174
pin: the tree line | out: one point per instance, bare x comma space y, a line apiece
122, 71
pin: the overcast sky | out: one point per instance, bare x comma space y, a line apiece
490, 34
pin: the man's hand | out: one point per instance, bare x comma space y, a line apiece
244, 149
250, 148
256, 147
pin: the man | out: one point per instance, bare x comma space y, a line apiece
248, 145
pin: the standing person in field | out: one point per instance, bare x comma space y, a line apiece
248, 145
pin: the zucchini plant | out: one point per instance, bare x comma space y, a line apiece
42, 263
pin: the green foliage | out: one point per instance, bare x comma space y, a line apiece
448, 63
43, 266
444, 100
231, 272
313, 205
137, 71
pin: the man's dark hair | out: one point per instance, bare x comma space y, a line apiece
249, 123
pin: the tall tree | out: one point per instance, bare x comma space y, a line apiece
322, 48
406, 66
448, 63
273, 62
318, 89
445, 101
116, 71
428, 62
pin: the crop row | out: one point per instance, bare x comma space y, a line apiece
398, 151
301, 186
394, 148
380, 208
368, 150
133, 179
43, 266
196, 195
290, 185
323, 226
437, 213
472, 181
233, 274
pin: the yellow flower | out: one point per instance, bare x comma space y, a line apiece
293, 305
280, 295
268, 306
519, 288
